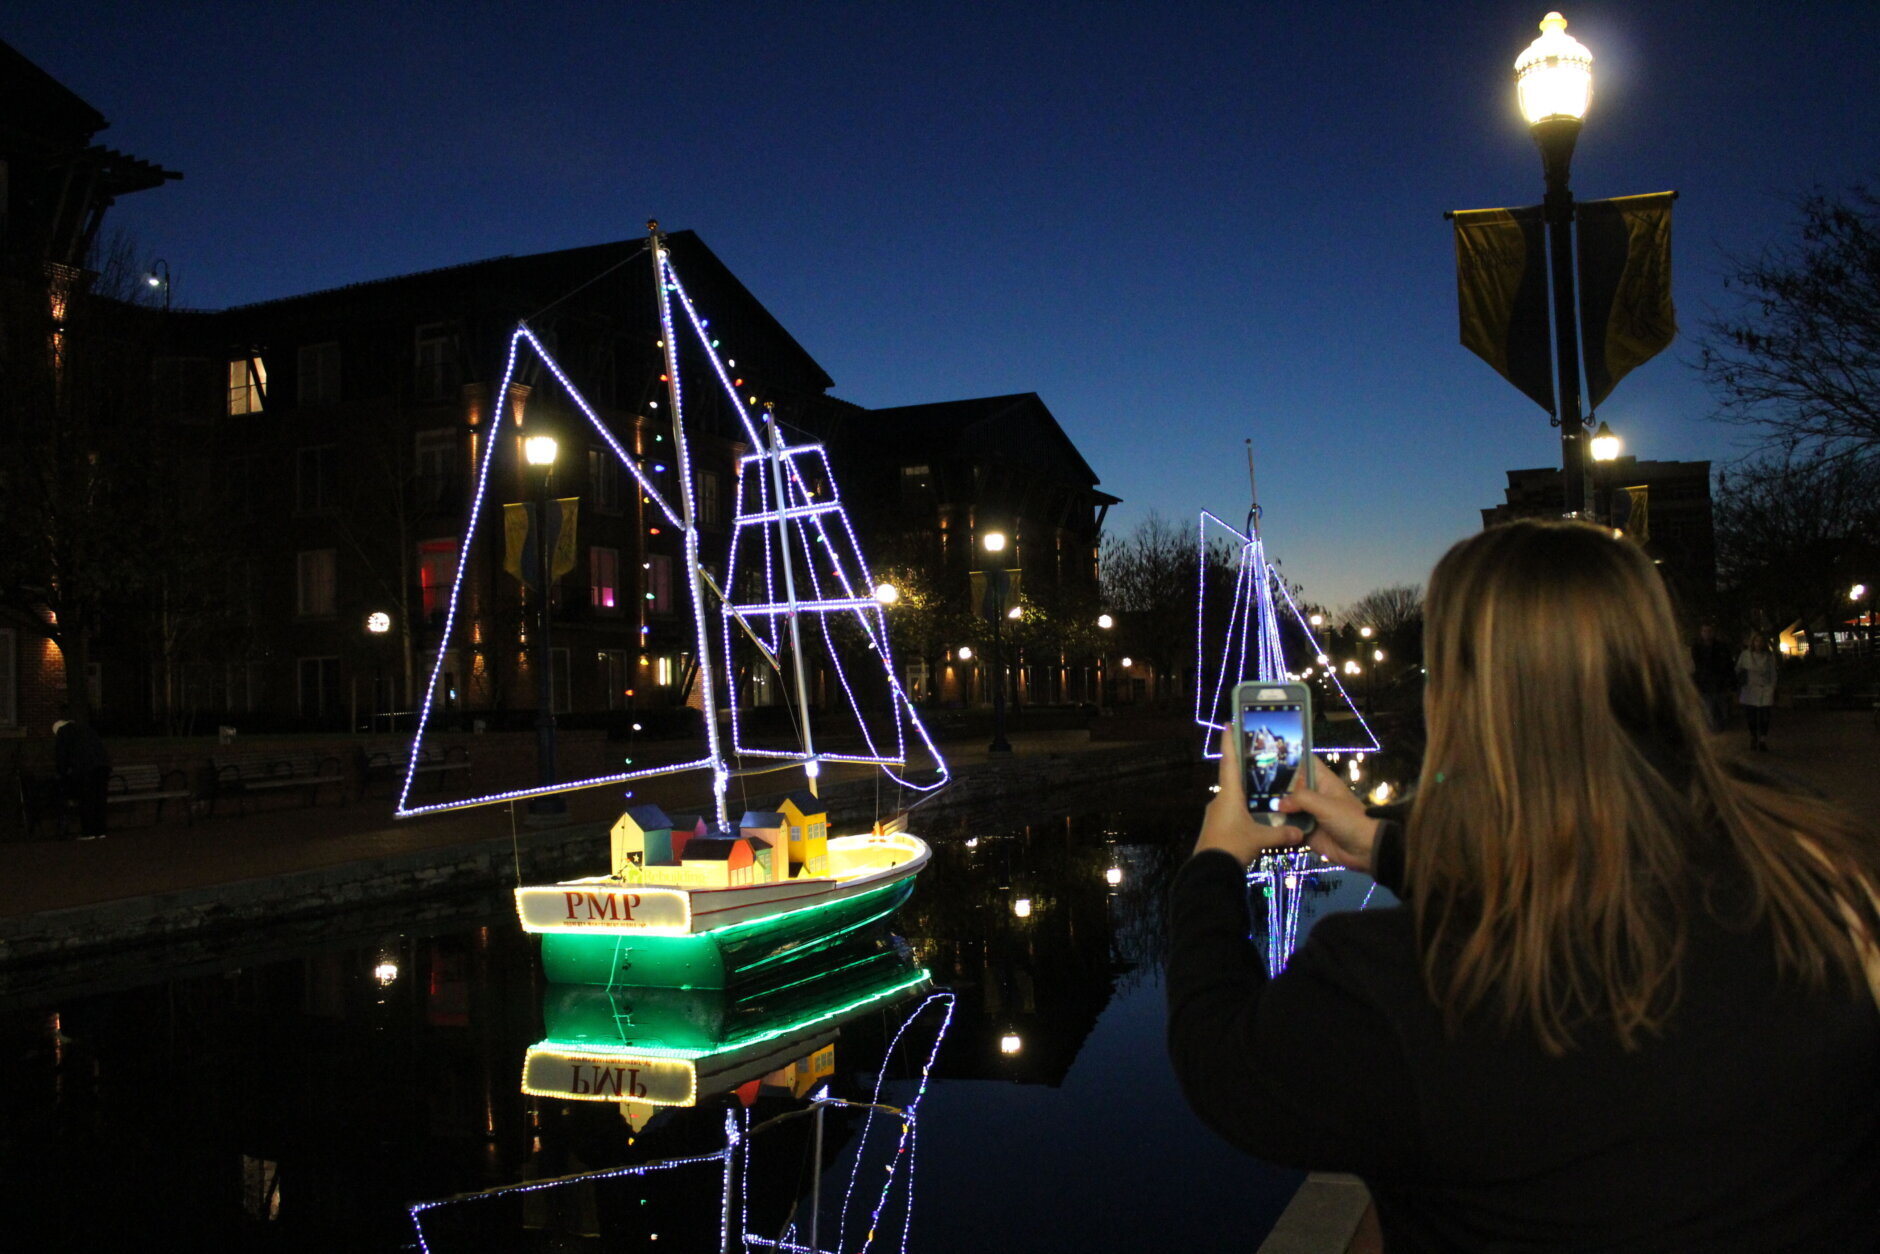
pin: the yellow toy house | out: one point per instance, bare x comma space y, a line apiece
808, 821
641, 837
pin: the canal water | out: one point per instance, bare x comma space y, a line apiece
990, 1075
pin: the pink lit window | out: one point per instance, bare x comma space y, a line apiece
437, 569
604, 578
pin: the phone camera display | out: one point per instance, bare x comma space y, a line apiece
1272, 740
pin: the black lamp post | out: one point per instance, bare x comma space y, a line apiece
1554, 81
994, 542
539, 450
1104, 624
159, 277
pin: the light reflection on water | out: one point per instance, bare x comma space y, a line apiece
309, 1101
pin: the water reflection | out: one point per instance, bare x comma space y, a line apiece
309, 1096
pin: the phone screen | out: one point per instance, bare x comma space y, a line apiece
1272, 745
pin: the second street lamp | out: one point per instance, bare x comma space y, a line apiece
1606, 448
1554, 81
996, 589
539, 451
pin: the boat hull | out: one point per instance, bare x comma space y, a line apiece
654, 936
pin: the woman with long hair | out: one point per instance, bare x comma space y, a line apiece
1629, 1002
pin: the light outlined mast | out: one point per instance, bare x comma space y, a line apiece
775, 457
708, 700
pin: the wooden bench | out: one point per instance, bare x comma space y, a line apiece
388, 760
149, 783
245, 775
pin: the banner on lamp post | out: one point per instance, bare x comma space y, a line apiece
1501, 296
1626, 314
519, 540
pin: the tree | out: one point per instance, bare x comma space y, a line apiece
1392, 611
1800, 359
1150, 580
1795, 534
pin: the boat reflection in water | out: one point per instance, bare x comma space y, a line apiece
687, 1070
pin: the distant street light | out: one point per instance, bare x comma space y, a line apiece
1606, 448
887, 593
159, 277
998, 586
1105, 623
539, 451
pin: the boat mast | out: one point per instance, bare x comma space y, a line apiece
707, 697
774, 455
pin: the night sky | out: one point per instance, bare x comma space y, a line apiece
1182, 224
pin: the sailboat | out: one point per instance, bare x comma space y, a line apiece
698, 902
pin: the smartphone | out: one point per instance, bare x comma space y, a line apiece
1273, 732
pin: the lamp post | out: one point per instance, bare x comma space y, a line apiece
1554, 82
159, 277
378, 622
1606, 448
539, 450
994, 542
1857, 594
1104, 624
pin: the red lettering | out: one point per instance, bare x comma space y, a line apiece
574, 899
634, 1087
607, 1080
602, 906
575, 1083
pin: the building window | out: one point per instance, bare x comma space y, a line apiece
616, 674
437, 377
437, 571
319, 375
436, 466
314, 488
604, 480
604, 578
663, 670
711, 510
315, 593
659, 584
916, 682
9, 677
186, 388
318, 687
247, 384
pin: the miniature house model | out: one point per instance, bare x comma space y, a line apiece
808, 819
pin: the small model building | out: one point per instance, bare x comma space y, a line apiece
765, 828
640, 837
808, 820
717, 860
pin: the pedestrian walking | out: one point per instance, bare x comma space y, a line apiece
1713, 668
83, 765
1756, 693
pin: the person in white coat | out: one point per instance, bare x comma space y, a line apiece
1756, 692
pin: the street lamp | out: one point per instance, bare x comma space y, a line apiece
996, 585
378, 622
1104, 623
1554, 82
539, 450
159, 277
886, 593
1606, 446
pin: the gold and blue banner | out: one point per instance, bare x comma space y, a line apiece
1501, 295
519, 543
1626, 315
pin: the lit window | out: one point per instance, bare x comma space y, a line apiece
604, 577
437, 570
436, 457
659, 584
315, 592
247, 384
319, 375
662, 671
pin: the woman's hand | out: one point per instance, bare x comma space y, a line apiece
1228, 825
1344, 833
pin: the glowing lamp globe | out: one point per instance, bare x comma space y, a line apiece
539, 450
1105, 621
886, 594
966, 653
378, 622
994, 541
1554, 77
1605, 444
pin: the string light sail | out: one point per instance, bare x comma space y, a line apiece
787, 508
1253, 649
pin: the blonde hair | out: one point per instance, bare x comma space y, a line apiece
1572, 801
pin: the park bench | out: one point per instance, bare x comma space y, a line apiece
247, 775
141, 783
388, 761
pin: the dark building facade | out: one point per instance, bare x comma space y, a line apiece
1665, 506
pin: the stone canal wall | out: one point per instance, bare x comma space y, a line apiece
432, 883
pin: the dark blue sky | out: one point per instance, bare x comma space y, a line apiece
1182, 224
